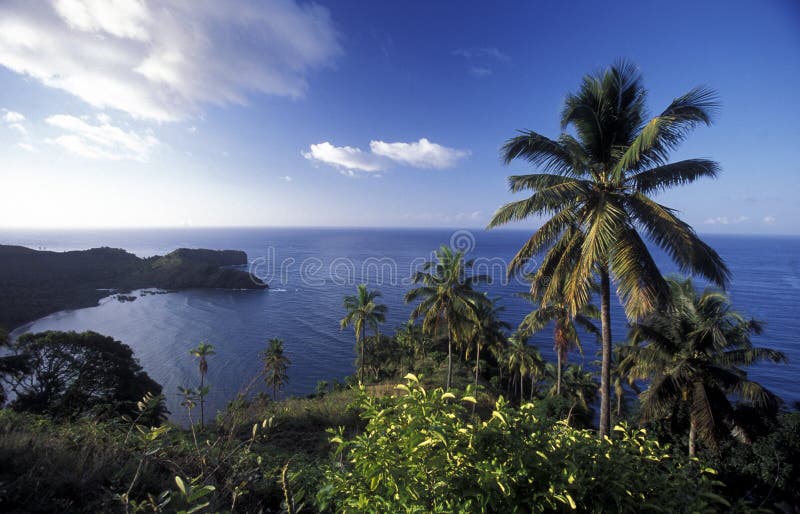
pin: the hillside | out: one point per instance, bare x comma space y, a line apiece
36, 283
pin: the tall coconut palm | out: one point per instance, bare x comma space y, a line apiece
523, 361
595, 187
202, 352
693, 353
489, 332
363, 311
448, 300
276, 365
565, 327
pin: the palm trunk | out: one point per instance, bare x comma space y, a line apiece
477, 364
605, 369
558, 374
477, 367
521, 387
202, 400
533, 383
449, 361
361, 364
692, 435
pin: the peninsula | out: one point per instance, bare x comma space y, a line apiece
35, 283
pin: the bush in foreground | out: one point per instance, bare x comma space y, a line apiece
420, 452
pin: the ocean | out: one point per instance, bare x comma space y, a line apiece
310, 270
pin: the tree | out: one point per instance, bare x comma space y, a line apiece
276, 365
489, 332
11, 366
579, 387
596, 186
362, 312
523, 360
565, 327
447, 299
202, 351
69, 374
693, 353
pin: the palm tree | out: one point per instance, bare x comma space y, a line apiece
203, 351
565, 327
579, 387
523, 360
276, 365
448, 300
693, 353
362, 312
596, 189
619, 379
490, 330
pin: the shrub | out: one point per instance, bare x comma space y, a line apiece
420, 452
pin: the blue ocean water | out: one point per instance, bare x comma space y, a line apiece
311, 270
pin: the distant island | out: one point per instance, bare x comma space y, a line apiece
35, 283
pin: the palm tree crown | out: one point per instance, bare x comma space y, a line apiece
595, 187
363, 311
694, 352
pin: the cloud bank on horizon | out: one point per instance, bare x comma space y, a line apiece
161, 61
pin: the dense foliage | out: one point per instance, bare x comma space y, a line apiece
420, 452
69, 374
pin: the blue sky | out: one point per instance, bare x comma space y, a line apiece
173, 113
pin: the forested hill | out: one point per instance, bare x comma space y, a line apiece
36, 283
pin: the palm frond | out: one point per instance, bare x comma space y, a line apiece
678, 239
655, 180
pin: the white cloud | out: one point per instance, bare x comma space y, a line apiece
488, 52
480, 71
27, 147
481, 60
12, 116
286, 178
19, 128
162, 60
420, 154
768, 220
381, 155
192, 129
344, 157
104, 141
724, 220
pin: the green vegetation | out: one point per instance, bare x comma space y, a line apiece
695, 350
420, 452
36, 283
68, 375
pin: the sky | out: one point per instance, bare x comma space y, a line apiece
136, 113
